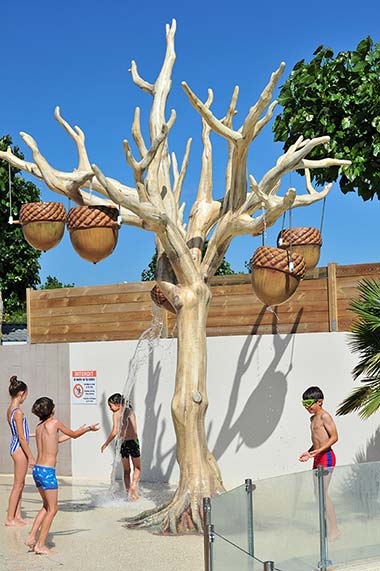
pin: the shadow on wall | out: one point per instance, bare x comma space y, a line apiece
153, 457
371, 451
151, 434
264, 406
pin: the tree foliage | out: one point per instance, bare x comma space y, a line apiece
365, 340
53, 283
149, 273
19, 266
337, 96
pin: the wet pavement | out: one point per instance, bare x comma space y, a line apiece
89, 534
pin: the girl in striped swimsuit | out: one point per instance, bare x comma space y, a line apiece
19, 449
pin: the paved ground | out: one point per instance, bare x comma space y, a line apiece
88, 533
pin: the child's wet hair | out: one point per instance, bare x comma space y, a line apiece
116, 398
16, 386
313, 393
43, 407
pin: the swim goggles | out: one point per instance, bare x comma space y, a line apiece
308, 402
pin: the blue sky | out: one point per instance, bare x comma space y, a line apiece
77, 55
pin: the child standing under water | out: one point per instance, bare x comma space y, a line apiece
19, 449
124, 425
48, 438
323, 435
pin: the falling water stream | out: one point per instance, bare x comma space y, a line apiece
146, 344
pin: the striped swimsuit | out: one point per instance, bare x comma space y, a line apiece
15, 443
326, 459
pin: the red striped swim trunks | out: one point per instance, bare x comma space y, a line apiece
326, 459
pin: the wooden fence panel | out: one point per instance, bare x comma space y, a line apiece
124, 311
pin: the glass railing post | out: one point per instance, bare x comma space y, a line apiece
207, 511
268, 566
324, 562
249, 487
208, 534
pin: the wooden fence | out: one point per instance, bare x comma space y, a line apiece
124, 311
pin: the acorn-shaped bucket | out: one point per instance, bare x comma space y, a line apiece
93, 231
43, 224
275, 277
159, 299
305, 241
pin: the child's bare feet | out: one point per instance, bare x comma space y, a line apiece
30, 542
132, 494
334, 534
42, 550
13, 523
21, 521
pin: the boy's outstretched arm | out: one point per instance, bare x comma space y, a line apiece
64, 437
79, 432
113, 433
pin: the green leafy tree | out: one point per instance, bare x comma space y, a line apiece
365, 340
337, 96
53, 283
148, 275
19, 266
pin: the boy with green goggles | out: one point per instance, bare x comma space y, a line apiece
323, 435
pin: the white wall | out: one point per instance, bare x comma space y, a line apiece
256, 424
45, 369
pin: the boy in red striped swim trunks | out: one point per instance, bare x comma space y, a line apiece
323, 435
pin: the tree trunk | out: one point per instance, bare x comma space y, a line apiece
199, 473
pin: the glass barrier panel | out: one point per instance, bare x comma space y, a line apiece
286, 521
228, 557
229, 515
353, 493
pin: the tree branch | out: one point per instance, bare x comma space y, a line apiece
180, 177
78, 137
69, 187
137, 135
146, 211
20, 164
294, 159
144, 85
216, 125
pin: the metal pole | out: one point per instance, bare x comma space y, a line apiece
324, 562
208, 536
249, 487
268, 566
207, 511
209, 551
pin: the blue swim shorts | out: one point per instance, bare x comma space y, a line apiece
44, 477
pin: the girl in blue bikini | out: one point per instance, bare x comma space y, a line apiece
19, 449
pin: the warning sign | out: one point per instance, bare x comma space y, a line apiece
83, 387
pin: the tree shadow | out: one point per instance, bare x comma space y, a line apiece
153, 456
74, 506
371, 451
263, 408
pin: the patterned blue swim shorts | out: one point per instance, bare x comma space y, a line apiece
44, 477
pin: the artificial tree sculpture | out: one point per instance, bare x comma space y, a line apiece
154, 204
